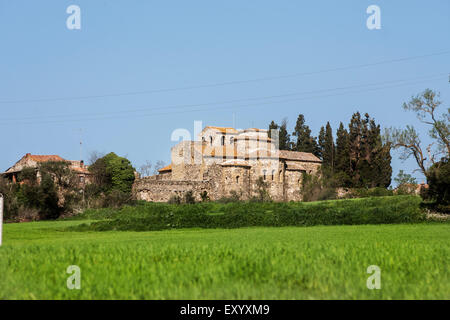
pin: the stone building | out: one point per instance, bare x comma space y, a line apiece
225, 161
33, 161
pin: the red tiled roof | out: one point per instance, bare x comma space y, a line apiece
44, 158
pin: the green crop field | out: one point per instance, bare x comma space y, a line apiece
317, 262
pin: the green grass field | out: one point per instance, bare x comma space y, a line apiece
318, 262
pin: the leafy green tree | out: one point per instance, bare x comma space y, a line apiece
439, 185
404, 178
112, 172
121, 172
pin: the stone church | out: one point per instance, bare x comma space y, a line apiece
225, 161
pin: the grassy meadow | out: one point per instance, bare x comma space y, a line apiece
257, 262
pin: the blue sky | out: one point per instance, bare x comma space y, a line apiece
146, 47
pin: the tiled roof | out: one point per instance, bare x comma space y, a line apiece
43, 158
296, 155
166, 168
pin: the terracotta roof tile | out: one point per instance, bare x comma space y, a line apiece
44, 158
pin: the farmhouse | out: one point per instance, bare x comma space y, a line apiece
33, 161
225, 161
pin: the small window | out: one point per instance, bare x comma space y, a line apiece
203, 139
273, 174
223, 140
264, 174
237, 179
211, 140
231, 140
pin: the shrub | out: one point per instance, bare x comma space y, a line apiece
204, 196
157, 216
317, 187
175, 199
438, 193
116, 199
372, 192
262, 195
189, 197
233, 197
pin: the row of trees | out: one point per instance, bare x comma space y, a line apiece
360, 154
356, 158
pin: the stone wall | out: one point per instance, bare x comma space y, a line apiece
221, 181
162, 190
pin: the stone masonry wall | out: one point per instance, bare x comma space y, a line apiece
162, 190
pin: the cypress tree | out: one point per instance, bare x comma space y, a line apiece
305, 142
272, 126
321, 142
370, 160
285, 139
380, 157
328, 153
342, 162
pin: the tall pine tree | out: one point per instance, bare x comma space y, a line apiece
305, 142
328, 149
321, 142
369, 160
342, 162
285, 138
272, 126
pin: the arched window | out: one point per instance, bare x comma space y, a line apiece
210, 140
203, 139
273, 174
222, 140
237, 179
264, 174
